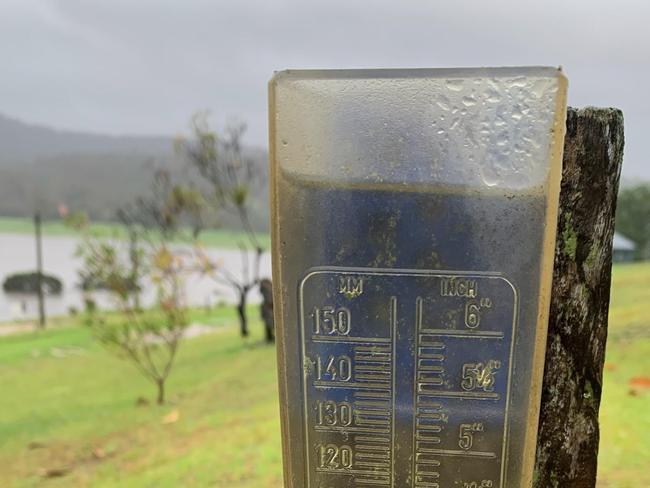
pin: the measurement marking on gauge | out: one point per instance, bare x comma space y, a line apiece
465, 334
371, 406
366, 421
419, 476
341, 384
351, 430
428, 413
378, 438
373, 447
376, 370
392, 309
350, 340
372, 367
372, 455
372, 394
373, 376
460, 394
426, 425
372, 465
376, 348
456, 365
372, 355
470, 454
353, 471
372, 412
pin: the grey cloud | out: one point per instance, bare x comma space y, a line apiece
144, 67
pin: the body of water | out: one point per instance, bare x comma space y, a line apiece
18, 254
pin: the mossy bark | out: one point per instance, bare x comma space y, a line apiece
567, 444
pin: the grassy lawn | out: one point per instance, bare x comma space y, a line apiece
67, 405
215, 237
625, 414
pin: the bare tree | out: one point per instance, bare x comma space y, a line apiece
230, 179
150, 338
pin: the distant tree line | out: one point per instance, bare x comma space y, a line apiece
101, 183
633, 217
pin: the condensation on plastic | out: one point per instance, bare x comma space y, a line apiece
413, 233
415, 126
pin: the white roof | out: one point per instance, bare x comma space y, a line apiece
622, 243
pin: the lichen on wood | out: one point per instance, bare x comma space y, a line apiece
567, 444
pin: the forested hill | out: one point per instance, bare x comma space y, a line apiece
42, 168
23, 142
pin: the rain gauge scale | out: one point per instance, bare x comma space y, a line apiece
413, 232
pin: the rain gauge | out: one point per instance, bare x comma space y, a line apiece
414, 216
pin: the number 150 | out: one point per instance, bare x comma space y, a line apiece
331, 321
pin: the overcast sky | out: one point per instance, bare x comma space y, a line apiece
145, 66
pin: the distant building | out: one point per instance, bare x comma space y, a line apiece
624, 249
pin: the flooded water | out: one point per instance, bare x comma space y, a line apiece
17, 254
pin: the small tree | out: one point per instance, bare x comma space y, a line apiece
230, 179
149, 339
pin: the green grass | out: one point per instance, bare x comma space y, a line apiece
225, 238
624, 460
83, 404
78, 411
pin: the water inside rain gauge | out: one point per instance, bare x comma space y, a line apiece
414, 218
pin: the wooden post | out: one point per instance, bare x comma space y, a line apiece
567, 445
39, 270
